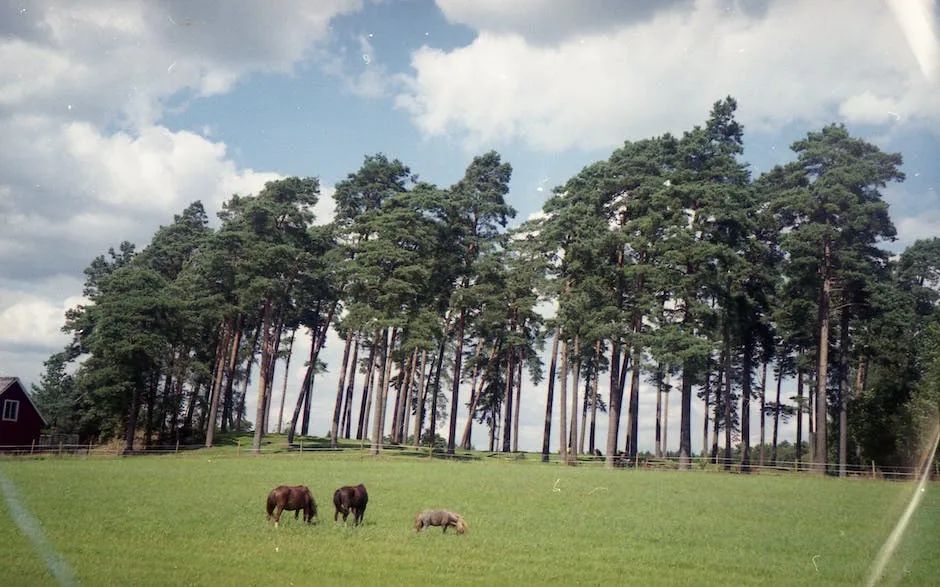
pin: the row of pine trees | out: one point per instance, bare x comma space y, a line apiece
666, 263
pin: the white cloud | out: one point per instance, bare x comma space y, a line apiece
86, 161
33, 321
110, 58
923, 226
325, 209
867, 108
637, 79
545, 21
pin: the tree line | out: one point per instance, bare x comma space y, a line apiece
667, 262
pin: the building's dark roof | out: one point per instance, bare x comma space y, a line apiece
7, 383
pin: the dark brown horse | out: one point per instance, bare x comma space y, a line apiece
351, 500
296, 498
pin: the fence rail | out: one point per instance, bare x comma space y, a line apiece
700, 463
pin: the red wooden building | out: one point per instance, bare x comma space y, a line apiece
20, 420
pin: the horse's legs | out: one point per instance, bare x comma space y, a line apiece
277, 515
297, 514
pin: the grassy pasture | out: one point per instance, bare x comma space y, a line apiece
199, 519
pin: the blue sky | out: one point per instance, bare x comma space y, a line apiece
115, 115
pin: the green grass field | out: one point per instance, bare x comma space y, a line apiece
199, 519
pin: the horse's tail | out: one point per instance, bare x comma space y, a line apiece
271, 504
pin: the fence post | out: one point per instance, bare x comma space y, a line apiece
873, 469
32, 446
177, 446
238, 448
60, 448
301, 446
89, 448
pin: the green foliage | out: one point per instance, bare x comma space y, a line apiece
56, 395
667, 250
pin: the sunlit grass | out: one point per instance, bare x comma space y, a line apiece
200, 519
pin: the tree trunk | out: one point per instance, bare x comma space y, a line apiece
240, 416
718, 405
799, 417
707, 400
507, 399
290, 352
225, 331
350, 389
421, 394
435, 389
588, 377
746, 402
455, 389
591, 436
549, 397
563, 407
406, 400
340, 388
402, 397
773, 450
861, 376
633, 412
367, 390
515, 417
381, 396
843, 390
269, 388
168, 399
475, 393
665, 449
133, 408
308, 394
264, 364
763, 403
729, 422
303, 394
151, 402
820, 448
176, 406
318, 339
614, 403
685, 419
658, 445
576, 371
227, 407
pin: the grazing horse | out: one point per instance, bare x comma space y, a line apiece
296, 498
351, 500
443, 518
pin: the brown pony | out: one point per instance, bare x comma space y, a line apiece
429, 518
296, 498
351, 500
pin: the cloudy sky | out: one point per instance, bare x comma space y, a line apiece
114, 115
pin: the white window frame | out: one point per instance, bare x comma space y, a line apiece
15, 404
